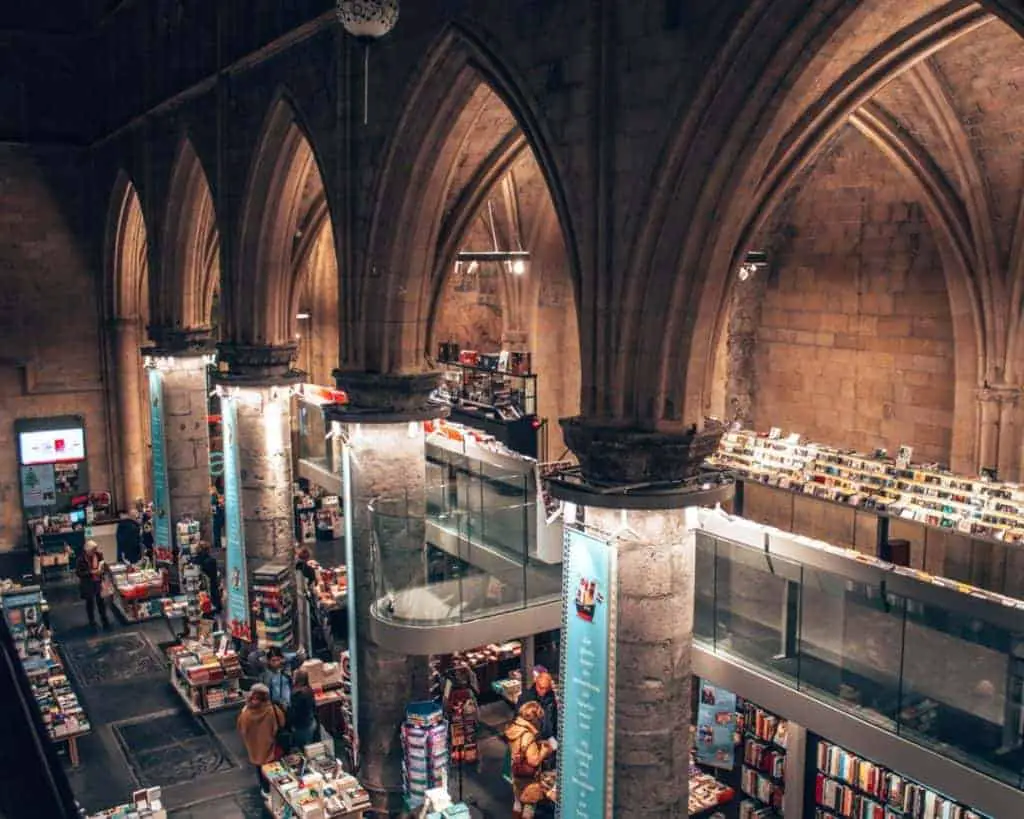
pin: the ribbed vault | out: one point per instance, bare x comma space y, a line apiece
283, 217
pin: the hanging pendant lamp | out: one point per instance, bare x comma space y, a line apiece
367, 21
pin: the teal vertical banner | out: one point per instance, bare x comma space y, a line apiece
716, 727
162, 542
587, 675
239, 616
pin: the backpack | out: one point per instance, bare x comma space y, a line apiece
521, 769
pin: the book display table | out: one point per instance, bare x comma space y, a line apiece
25, 609
313, 785
138, 592
207, 680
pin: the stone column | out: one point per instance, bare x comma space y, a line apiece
182, 358
130, 392
998, 446
386, 463
635, 489
259, 380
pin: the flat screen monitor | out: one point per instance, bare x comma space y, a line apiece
52, 446
78, 516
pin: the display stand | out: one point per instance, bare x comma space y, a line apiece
206, 679
187, 532
138, 592
305, 518
425, 752
850, 787
313, 784
273, 602
146, 803
762, 777
330, 522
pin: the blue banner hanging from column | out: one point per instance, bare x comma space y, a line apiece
239, 616
586, 740
716, 727
161, 490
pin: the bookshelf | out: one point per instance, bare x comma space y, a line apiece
848, 786
273, 595
763, 775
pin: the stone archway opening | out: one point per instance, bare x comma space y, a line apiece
497, 201
127, 306
889, 309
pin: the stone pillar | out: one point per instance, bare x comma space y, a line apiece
130, 392
259, 380
635, 489
998, 445
182, 358
385, 458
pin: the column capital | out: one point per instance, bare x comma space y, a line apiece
617, 455
999, 393
179, 341
257, 364
387, 397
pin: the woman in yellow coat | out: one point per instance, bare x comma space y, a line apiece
528, 753
258, 725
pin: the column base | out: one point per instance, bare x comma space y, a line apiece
178, 341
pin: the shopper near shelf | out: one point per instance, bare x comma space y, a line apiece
258, 725
302, 712
276, 678
528, 753
89, 570
217, 510
543, 692
148, 539
129, 538
207, 564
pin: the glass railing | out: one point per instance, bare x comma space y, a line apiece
447, 564
313, 444
942, 667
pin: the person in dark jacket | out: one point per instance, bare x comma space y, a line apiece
543, 692
302, 712
207, 564
89, 570
129, 542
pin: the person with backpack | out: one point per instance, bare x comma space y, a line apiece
528, 753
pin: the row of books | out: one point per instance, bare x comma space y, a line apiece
856, 788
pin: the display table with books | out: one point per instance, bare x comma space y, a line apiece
313, 785
206, 679
25, 610
138, 592
146, 803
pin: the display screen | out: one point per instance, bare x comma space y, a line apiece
52, 446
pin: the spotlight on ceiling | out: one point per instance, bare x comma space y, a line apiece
303, 316
510, 256
754, 260
519, 267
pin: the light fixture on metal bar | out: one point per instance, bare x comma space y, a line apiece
754, 260
514, 260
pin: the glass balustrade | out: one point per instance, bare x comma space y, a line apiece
462, 555
941, 667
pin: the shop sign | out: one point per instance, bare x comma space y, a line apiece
716, 727
161, 489
38, 486
585, 753
239, 620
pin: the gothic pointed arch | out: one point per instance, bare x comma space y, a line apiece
285, 217
190, 248
465, 121
126, 308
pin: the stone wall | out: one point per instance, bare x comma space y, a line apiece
855, 343
50, 358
